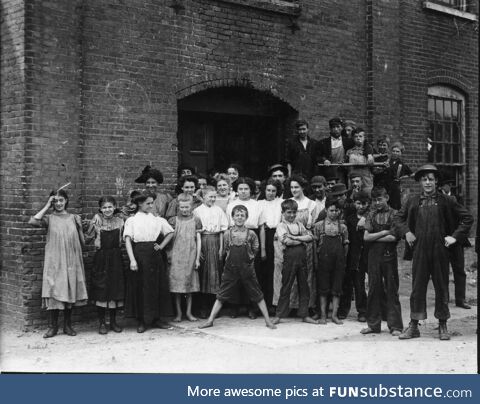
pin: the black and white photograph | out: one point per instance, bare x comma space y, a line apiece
239, 186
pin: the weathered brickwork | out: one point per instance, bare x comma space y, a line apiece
90, 91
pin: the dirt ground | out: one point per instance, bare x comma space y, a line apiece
247, 346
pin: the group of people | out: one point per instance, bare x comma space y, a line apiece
293, 244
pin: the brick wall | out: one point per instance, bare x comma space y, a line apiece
93, 88
12, 149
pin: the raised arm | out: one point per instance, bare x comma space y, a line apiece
36, 220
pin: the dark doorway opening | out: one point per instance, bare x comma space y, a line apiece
233, 125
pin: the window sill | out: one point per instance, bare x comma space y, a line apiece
275, 6
449, 10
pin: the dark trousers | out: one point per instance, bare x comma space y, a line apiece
430, 259
457, 261
267, 267
353, 282
294, 266
383, 284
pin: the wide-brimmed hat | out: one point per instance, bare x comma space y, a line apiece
277, 167
427, 168
149, 172
338, 189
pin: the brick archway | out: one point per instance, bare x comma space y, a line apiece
246, 80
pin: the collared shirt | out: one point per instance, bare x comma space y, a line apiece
428, 200
336, 142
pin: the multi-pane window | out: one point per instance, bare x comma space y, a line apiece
445, 140
456, 4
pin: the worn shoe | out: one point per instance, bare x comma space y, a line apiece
113, 321
369, 330
102, 328
51, 332
412, 331
252, 315
115, 327
462, 304
67, 323
395, 333
361, 318
141, 328
53, 324
443, 332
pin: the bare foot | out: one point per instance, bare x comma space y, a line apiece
191, 318
309, 320
270, 325
275, 320
322, 320
206, 325
336, 320
177, 319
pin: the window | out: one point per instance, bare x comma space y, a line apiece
446, 143
456, 4
457, 8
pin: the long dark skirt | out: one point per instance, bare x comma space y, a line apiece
148, 297
108, 281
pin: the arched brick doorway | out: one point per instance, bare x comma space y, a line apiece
240, 125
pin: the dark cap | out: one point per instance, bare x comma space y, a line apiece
338, 189
427, 168
318, 180
277, 167
362, 196
149, 172
355, 174
334, 122
332, 178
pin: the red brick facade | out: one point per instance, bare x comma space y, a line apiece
89, 92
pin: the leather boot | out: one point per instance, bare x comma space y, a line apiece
102, 327
113, 321
442, 331
67, 323
411, 332
52, 324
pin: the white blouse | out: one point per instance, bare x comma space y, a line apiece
271, 212
253, 212
146, 227
214, 219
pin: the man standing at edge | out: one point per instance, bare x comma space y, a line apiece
432, 223
301, 151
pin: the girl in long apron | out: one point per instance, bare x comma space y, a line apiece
148, 295
185, 256
63, 284
108, 281
214, 223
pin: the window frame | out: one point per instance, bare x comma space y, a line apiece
448, 93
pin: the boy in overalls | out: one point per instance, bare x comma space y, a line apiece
431, 223
331, 236
293, 236
241, 245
